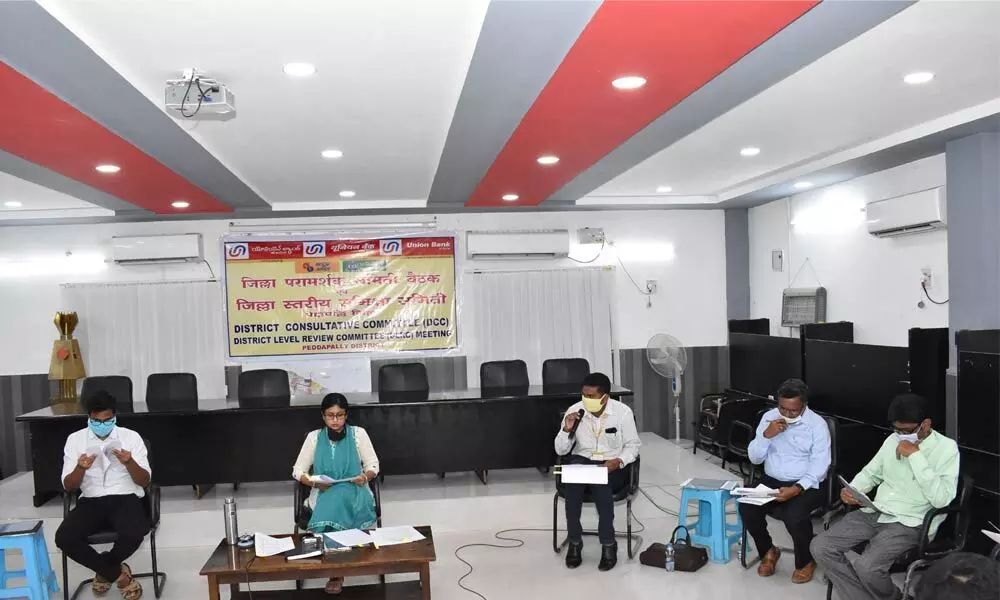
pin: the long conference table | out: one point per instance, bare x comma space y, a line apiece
203, 442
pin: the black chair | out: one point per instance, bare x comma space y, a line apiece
564, 373
301, 513
626, 493
119, 386
708, 422
264, 388
741, 433
503, 375
169, 390
950, 536
151, 502
830, 487
403, 382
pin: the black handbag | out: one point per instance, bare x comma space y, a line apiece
687, 558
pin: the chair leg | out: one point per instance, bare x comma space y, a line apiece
628, 527
65, 569
157, 584
829, 590
555, 524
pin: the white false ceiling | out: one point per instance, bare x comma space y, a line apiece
388, 77
852, 95
37, 202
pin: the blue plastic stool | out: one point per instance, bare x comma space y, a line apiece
711, 529
29, 538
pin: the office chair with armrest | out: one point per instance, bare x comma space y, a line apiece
741, 433
830, 487
950, 537
708, 421
626, 493
164, 390
151, 502
119, 386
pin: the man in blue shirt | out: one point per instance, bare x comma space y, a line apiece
793, 442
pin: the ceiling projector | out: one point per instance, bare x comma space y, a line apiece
197, 96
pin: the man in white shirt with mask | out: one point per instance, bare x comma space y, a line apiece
604, 435
108, 464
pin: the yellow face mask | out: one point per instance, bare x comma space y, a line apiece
593, 405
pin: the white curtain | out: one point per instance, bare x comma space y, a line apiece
136, 329
538, 315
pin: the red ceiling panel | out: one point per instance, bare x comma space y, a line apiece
678, 46
41, 128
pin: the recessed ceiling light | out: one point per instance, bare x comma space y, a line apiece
510, 197
180, 204
347, 194
664, 189
548, 159
299, 69
12, 204
918, 77
108, 168
629, 82
801, 185
750, 151
331, 153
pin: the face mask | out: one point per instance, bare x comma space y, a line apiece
104, 429
593, 405
913, 438
336, 436
793, 421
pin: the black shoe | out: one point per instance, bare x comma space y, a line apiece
574, 555
609, 557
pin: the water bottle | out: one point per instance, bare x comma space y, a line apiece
669, 557
229, 516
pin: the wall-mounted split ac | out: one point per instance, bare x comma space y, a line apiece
147, 249
904, 215
488, 245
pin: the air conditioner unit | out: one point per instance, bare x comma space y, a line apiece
147, 249
489, 245
912, 213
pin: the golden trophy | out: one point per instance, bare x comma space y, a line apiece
66, 365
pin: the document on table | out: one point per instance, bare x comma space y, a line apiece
349, 538
861, 497
758, 496
596, 474
390, 536
325, 479
265, 545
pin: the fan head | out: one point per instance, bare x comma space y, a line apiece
666, 355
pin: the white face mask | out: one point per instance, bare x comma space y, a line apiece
793, 421
913, 438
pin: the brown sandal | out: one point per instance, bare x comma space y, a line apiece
133, 589
100, 586
334, 586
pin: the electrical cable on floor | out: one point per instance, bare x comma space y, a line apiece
518, 543
923, 286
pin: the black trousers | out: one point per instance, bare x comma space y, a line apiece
603, 498
122, 514
796, 514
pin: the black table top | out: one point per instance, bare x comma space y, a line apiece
217, 405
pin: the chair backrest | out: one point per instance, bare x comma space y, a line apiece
832, 485
264, 388
955, 527
119, 386
564, 372
403, 377
504, 374
163, 389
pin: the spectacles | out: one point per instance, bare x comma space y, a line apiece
907, 431
102, 421
335, 416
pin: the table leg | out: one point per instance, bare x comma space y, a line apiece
213, 588
425, 581
234, 590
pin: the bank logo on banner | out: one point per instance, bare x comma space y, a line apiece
392, 247
314, 249
237, 251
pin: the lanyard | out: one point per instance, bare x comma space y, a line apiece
598, 431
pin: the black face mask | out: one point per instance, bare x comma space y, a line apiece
336, 436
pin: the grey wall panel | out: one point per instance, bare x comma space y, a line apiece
20, 394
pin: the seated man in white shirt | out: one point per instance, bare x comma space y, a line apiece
605, 435
108, 464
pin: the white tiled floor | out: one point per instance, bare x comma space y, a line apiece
461, 511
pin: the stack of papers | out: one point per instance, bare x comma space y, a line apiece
391, 536
696, 483
325, 479
265, 545
758, 496
340, 540
595, 474
861, 497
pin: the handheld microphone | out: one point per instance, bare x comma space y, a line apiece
579, 417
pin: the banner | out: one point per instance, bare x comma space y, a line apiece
316, 297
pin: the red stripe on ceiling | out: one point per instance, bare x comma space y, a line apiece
678, 46
41, 128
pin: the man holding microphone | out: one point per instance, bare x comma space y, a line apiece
605, 435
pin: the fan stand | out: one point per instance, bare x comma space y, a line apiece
675, 387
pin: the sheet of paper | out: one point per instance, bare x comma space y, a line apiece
265, 545
992, 535
761, 491
755, 500
861, 497
596, 474
350, 537
390, 536
709, 484
325, 479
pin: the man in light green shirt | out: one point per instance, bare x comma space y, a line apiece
915, 470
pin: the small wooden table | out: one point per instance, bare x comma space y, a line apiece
233, 566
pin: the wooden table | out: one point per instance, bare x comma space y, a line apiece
233, 566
